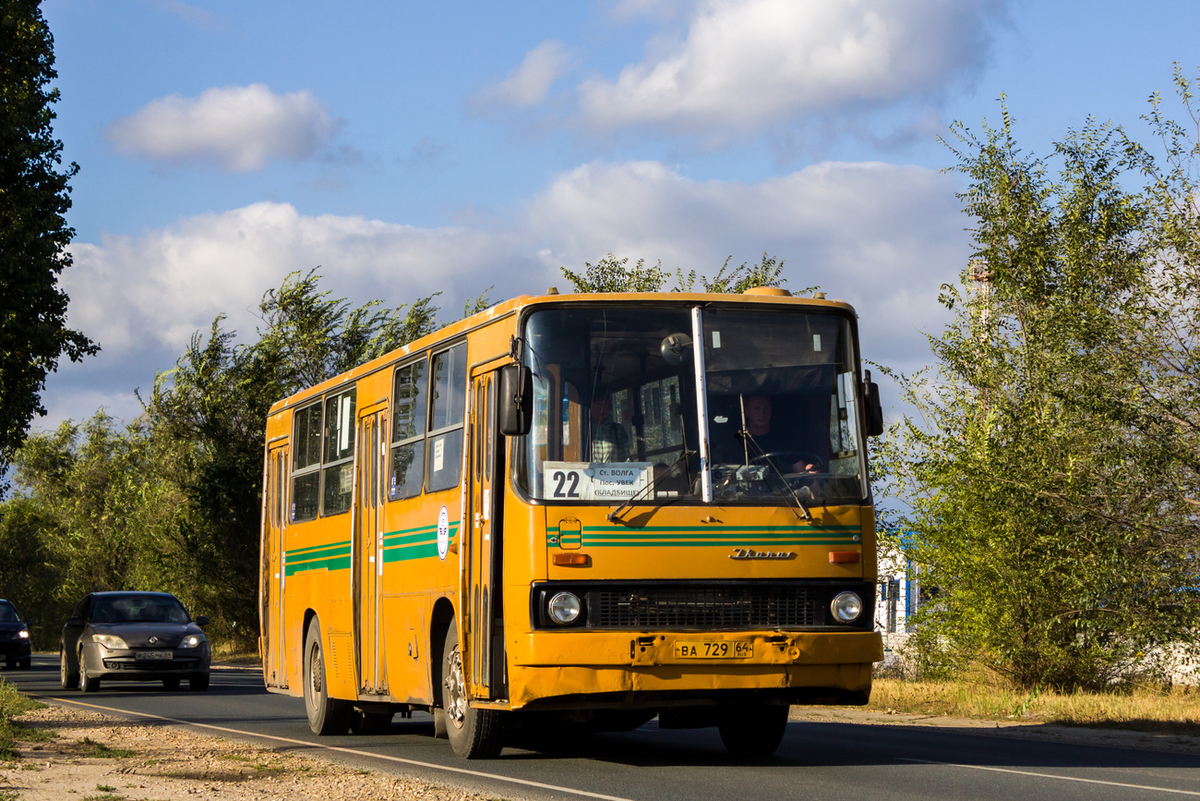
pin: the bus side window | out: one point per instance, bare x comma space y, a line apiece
338, 472
445, 449
408, 431
306, 463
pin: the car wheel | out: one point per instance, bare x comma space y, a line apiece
88, 684
325, 715
26, 663
754, 731
474, 733
68, 677
171, 683
198, 683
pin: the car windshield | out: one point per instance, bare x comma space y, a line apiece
8, 613
139, 609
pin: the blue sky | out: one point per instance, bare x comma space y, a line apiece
413, 147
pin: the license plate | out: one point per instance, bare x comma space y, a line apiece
155, 656
714, 649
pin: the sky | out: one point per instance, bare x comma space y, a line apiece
466, 147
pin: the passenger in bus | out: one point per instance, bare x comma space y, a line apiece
610, 441
759, 410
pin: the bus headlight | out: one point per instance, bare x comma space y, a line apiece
564, 608
846, 607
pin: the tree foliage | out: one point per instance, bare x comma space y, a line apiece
34, 197
1054, 520
611, 274
173, 500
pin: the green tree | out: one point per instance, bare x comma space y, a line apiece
34, 197
611, 274
1035, 495
211, 411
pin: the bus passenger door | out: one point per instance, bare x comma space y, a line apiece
368, 551
486, 672
271, 616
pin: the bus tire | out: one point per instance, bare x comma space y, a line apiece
473, 733
325, 715
753, 731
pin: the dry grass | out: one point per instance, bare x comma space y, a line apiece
1175, 710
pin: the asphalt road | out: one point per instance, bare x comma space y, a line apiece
816, 760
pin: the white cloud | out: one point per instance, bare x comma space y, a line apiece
162, 287
529, 83
237, 127
748, 64
880, 236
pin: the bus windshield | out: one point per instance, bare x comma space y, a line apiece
617, 417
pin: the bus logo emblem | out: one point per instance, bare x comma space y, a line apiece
750, 553
443, 534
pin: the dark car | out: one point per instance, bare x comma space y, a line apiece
14, 637
133, 636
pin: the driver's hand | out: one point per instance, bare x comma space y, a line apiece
805, 466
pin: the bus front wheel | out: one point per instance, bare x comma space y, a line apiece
754, 731
325, 715
473, 733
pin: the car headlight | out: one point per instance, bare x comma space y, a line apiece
564, 608
190, 641
110, 641
23, 634
846, 607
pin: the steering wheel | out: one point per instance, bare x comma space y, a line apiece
784, 460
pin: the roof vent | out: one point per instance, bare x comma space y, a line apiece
774, 291
818, 296
552, 290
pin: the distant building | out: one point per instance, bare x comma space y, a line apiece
897, 597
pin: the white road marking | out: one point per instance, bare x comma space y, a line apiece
1054, 776
355, 752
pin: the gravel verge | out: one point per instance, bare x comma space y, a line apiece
96, 757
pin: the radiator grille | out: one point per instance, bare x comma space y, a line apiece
705, 607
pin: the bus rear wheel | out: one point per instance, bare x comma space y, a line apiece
473, 733
325, 715
753, 731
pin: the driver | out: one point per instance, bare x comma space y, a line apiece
758, 424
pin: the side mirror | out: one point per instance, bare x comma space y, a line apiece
516, 400
200, 620
874, 408
75, 622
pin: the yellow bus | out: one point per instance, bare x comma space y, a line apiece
580, 510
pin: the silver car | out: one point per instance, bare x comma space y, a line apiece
133, 636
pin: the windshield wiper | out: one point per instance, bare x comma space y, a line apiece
615, 515
774, 472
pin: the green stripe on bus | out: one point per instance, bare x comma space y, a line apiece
324, 553
410, 552
314, 548
339, 563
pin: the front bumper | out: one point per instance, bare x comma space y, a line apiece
632, 670
131, 664
15, 649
